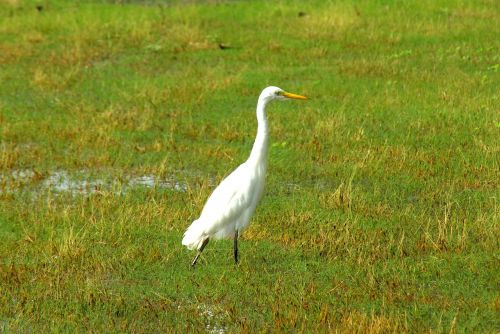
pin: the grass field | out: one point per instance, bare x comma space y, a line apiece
382, 208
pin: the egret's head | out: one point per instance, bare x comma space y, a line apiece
275, 93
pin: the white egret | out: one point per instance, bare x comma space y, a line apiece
229, 208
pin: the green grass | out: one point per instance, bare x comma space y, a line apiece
382, 208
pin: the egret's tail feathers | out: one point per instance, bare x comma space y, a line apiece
194, 236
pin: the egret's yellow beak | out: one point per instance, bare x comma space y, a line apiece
294, 96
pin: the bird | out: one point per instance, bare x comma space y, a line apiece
228, 210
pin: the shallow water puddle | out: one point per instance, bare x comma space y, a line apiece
81, 182
61, 181
87, 182
213, 319
151, 181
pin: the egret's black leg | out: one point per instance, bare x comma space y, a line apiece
236, 247
205, 242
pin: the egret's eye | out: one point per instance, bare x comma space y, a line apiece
279, 93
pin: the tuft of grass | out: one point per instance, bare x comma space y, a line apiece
117, 120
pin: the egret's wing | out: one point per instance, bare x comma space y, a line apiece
229, 200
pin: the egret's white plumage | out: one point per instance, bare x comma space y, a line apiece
229, 208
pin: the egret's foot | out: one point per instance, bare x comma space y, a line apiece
195, 260
205, 242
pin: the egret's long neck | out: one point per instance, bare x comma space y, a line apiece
259, 149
